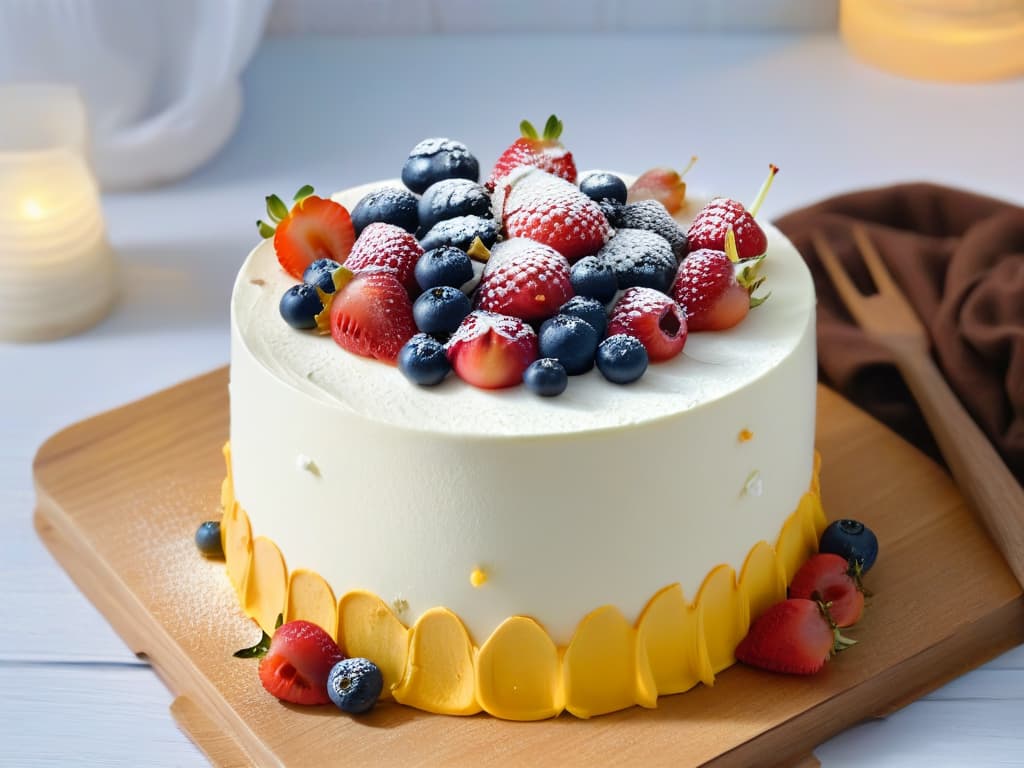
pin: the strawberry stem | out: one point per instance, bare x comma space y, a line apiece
552, 128
303, 193
266, 230
526, 128
763, 193
689, 166
276, 208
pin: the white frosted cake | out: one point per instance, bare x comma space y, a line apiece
500, 551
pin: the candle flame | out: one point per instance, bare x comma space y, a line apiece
31, 209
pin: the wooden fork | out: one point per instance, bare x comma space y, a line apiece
991, 490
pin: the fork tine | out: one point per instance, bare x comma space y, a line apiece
883, 280
844, 286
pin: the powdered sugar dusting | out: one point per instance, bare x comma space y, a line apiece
429, 147
481, 322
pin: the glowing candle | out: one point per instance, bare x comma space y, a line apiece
57, 273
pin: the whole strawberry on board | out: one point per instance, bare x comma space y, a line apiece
314, 228
796, 636
663, 184
543, 151
722, 214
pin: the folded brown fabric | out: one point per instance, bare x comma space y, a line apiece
959, 258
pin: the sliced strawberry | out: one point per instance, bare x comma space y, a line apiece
492, 351
298, 663
545, 152
653, 318
662, 184
390, 248
830, 579
720, 214
372, 316
524, 279
795, 636
315, 228
550, 210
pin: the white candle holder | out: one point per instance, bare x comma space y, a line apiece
57, 272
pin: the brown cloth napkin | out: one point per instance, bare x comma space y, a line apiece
959, 258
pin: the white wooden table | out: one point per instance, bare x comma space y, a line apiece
336, 112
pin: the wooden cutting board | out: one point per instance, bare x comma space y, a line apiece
120, 496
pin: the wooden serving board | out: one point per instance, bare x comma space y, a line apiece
120, 496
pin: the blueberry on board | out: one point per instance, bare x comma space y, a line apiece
569, 339
422, 360
432, 160
390, 205
354, 685
604, 186
621, 359
208, 539
853, 540
593, 278
640, 258
321, 274
460, 233
651, 215
587, 309
300, 305
449, 198
446, 265
546, 377
440, 310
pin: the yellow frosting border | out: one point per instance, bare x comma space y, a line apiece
518, 673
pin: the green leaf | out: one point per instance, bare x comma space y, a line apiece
757, 301
280, 621
553, 128
303, 193
276, 208
526, 128
266, 231
257, 651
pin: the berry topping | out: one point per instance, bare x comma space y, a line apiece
300, 305
545, 152
432, 160
662, 184
524, 279
795, 636
422, 360
372, 315
829, 579
653, 318
552, 211
612, 210
594, 278
588, 309
621, 359
720, 214
450, 198
604, 186
445, 265
546, 377
321, 274
571, 340
208, 539
439, 310
313, 229
639, 257
852, 540
492, 351
354, 685
389, 248
652, 216
390, 205
296, 665
460, 232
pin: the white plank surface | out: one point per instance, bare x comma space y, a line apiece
337, 112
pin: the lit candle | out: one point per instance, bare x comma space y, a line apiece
57, 273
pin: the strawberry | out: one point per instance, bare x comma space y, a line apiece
372, 316
653, 318
492, 351
662, 184
795, 636
524, 279
545, 152
720, 214
315, 228
390, 248
296, 663
550, 210
830, 579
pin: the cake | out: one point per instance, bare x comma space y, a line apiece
492, 550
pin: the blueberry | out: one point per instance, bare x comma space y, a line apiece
588, 309
593, 278
621, 358
390, 205
446, 265
441, 309
569, 339
604, 186
853, 540
300, 305
546, 377
354, 685
612, 210
208, 539
434, 159
321, 274
460, 232
450, 198
651, 215
640, 258
423, 360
